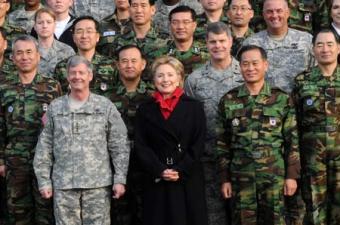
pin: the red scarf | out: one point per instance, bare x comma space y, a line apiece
168, 105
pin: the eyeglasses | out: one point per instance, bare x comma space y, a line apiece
178, 22
81, 32
242, 9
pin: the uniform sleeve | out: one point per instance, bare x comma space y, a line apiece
146, 156
223, 152
60, 74
43, 158
118, 145
189, 87
291, 143
195, 149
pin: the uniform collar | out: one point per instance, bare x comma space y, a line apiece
141, 88
265, 91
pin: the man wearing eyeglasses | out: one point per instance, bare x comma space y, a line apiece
190, 52
239, 13
213, 12
86, 37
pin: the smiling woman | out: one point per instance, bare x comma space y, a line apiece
169, 142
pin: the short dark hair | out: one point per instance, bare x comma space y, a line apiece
248, 48
181, 9
96, 24
130, 46
3, 33
217, 28
325, 30
151, 2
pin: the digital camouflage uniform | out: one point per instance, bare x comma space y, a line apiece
109, 29
51, 56
128, 210
15, 4
208, 85
22, 18
103, 80
202, 24
161, 17
21, 110
308, 15
257, 148
287, 57
192, 59
81, 145
238, 41
317, 100
149, 46
99, 9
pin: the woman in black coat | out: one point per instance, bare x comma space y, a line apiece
169, 142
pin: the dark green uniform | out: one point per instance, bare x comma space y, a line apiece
128, 210
21, 119
11, 32
257, 148
192, 59
318, 105
238, 41
308, 15
202, 23
257, 23
103, 80
109, 29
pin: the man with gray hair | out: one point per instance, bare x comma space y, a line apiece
208, 84
24, 98
83, 136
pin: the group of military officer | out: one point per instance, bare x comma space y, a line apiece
258, 134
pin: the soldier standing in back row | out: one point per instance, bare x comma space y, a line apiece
317, 97
24, 98
257, 145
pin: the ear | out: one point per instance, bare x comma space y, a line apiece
153, 10
144, 63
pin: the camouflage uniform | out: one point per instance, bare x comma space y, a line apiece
161, 18
110, 27
208, 85
11, 32
149, 46
318, 103
99, 9
22, 18
92, 137
15, 4
308, 15
238, 41
287, 57
192, 59
257, 148
257, 23
21, 111
202, 24
128, 210
51, 56
103, 80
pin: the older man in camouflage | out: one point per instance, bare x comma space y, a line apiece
24, 98
83, 136
129, 93
86, 37
208, 84
257, 145
316, 94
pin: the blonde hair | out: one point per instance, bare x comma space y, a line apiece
171, 61
44, 10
